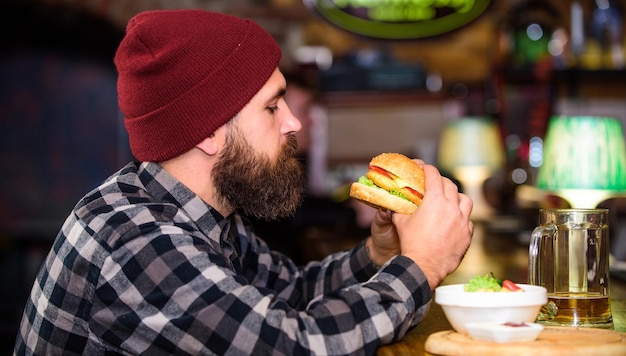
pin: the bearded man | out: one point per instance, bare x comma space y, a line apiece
158, 261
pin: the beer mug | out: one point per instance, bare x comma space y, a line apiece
569, 256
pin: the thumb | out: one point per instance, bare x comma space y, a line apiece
382, 221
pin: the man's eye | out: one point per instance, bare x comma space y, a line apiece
273, 109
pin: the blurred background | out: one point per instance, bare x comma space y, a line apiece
473, 96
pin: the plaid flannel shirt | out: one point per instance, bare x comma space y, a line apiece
143, 266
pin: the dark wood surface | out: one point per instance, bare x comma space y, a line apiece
506, 255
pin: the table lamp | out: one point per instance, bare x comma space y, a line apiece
471, 150
584, 160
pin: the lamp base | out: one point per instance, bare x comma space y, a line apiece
587, 198
472, 179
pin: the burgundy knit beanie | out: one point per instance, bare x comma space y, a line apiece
184, 73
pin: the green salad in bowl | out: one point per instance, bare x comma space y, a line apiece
489, 283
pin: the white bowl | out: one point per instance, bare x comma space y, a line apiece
502, 333
461, 307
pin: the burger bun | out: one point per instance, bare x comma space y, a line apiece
381, 199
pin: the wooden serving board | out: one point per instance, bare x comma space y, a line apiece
553, 341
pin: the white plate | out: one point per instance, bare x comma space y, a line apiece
501, 333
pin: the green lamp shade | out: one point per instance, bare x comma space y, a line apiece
583, 155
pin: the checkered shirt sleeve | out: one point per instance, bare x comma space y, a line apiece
143, 266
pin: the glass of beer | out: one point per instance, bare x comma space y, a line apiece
569, 256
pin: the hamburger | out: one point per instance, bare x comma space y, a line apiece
393, 182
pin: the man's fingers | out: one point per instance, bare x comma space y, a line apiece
432, 180
465, 204
451, 190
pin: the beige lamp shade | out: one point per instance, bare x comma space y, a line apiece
471, 142
471, 150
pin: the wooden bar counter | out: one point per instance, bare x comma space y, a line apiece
507, 258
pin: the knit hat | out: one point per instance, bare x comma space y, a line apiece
184, 73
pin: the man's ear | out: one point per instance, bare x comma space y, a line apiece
210, 145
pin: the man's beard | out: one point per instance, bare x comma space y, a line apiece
252, 183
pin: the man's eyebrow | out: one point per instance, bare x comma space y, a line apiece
280, 93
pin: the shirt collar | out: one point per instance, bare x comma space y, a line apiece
165, 187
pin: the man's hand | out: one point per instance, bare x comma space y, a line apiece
384, 243
439, 233
436, 236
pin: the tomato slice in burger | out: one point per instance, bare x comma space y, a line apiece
381, 171
415, 192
